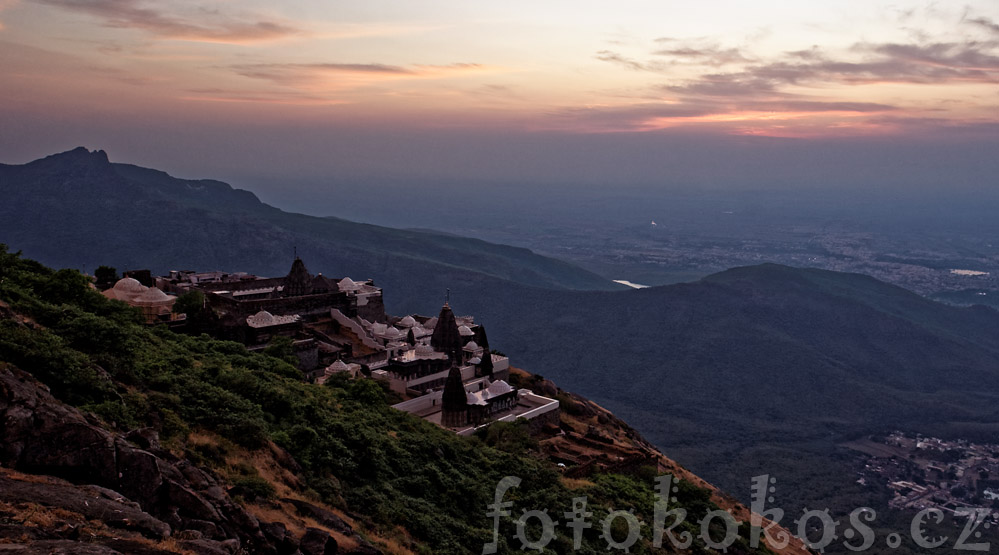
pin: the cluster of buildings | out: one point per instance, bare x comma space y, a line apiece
928, 472
442, 365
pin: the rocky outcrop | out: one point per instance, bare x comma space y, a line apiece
92, 502
144, 489
333, 522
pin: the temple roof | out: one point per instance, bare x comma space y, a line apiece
298, 280
348, 285
486, 364
153, 295
320, 284
495, 389
407, 322
129, 285
453, 398
446, 337
264, 319
338, 366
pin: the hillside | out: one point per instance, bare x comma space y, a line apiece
144, 441
767, 368
121, 213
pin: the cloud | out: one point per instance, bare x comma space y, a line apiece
984, 23
628, 63
707, 56
699, 51
929, 63
259, 97
693, 110
794, 85
935, 63
795, 89
303, 73
204, 26
743, 84
287, 73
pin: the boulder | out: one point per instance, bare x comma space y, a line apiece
317, 542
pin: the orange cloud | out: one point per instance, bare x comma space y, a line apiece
342, 76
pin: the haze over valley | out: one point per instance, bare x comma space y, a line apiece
939, 243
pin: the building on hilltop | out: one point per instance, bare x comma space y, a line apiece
340, 327
439, 344
156, 306
253, 310
460, 384
464, 406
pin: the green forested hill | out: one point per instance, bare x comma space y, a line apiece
764, 369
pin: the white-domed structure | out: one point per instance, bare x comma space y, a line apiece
348, 285
265, 319
129, 286
407, 322
156, 305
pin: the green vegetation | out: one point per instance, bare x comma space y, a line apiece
356, 452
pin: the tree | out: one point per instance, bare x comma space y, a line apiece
106, 277
282, 347
190, 303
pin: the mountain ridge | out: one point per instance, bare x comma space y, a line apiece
163, 212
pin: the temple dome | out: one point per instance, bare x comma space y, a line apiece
261, 319
465, 331
152, 295
498, 388
338, 366
347, 284
407, 322
471, 346
129, 285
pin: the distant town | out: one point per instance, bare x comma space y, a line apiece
928, 472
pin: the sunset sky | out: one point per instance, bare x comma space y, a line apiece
520, 90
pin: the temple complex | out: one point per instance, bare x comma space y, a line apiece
441, 365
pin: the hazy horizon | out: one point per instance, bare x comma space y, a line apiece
851, 94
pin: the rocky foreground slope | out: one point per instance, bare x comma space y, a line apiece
67, 483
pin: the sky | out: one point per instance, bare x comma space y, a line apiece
845, 91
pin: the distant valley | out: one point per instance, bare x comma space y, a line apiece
671, 233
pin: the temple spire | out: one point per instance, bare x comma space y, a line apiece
446, 338
454, 403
